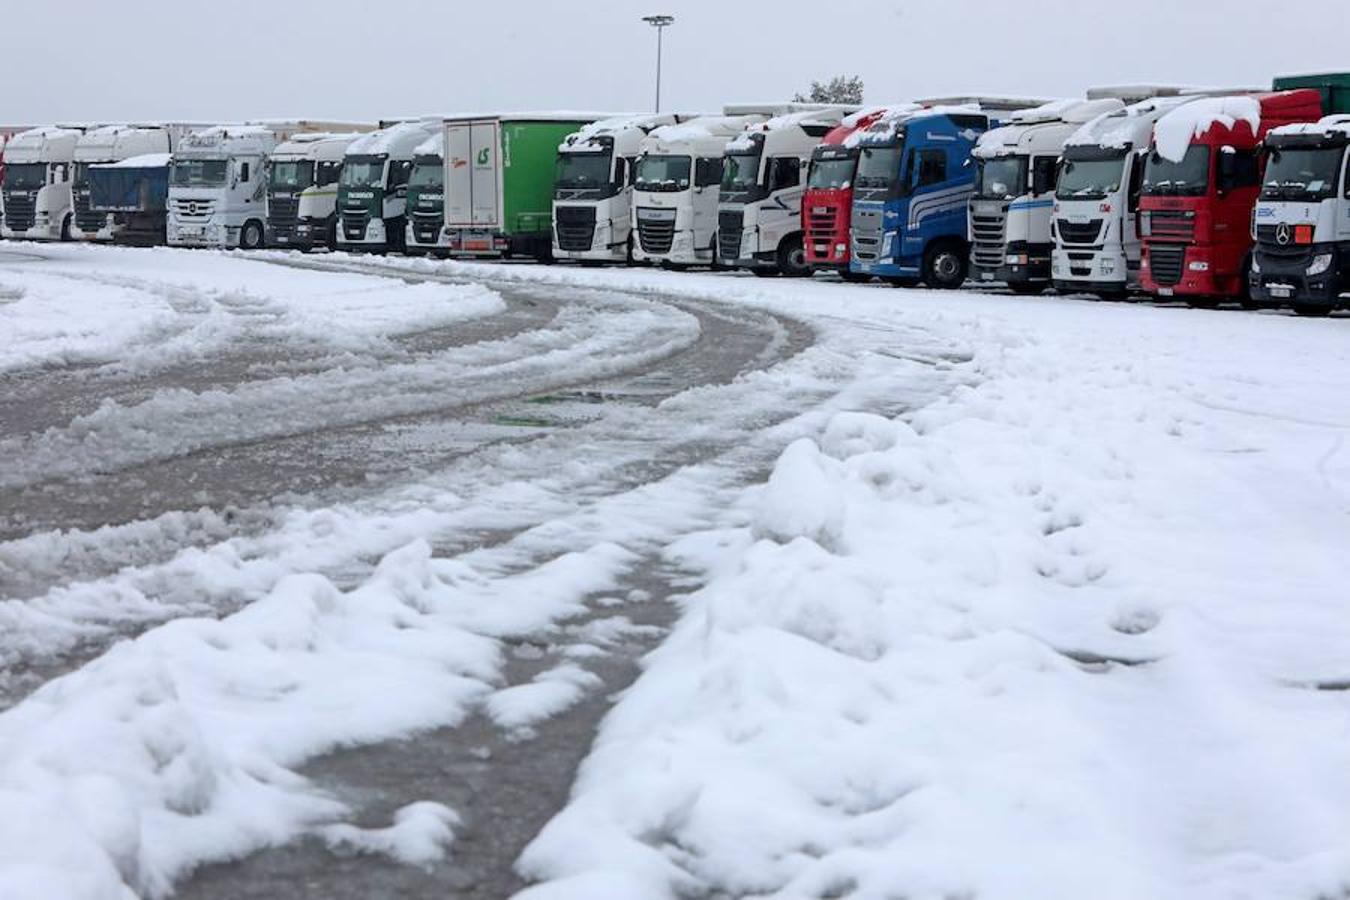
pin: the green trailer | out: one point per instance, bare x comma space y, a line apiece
499, 173
1335, 88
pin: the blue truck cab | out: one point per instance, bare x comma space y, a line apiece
913, 184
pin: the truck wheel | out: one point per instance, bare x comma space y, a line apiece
792, 258
944, 267
65, 228
251, 235
330, 230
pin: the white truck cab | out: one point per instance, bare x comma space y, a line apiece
677, 183
373, 189
217, 187
302, 188
1097, 245
1010, 211
39, 165
593, 191
759, 212
105, 145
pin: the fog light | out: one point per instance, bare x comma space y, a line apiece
840, 248
1016, 259
1320, 263
1198, 266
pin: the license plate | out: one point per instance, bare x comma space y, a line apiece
986, 276
1280, 290
1165, 292
820, 210
281, 239
866, 267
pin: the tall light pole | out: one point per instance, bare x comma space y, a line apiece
659, 23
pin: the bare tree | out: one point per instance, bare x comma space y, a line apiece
839, 89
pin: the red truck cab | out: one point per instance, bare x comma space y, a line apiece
827, 203
1199, 187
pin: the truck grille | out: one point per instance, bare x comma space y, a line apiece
20, 211
85, 217
1166, 262
867, 234
1265, 236
1078, 232
354, 223
988, 232
193, 209
822, 223
282, 214
427, 226
1173, 225
730, 222
576, 227
656, 229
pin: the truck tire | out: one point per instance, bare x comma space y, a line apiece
330, 232
251, 235
944, 266
792, 257
65, 228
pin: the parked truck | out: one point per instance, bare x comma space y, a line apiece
593, 187
426, 199
759, 210
1010, 211
38, 166
302, 189
1199, 191
910, 194
677, 184
827, 202
132, 197
499, 182
109, 144
373, 190
218, 184
1096, 204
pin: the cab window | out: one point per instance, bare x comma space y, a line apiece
708, 171
327, 172
786, 172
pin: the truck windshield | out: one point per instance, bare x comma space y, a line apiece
1302, 173
1090, 179
1188, 178
292, 174
428, 172
362, 171
835, 174
1002, 178
740, 175
662, 173
583, 171
199, 172
25, 176
878, 168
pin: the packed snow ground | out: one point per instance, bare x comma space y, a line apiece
1067, 617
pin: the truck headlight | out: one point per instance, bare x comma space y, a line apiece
1320, 263
1198, 265
1145, 224
1016, 259
887, 243
1256, 264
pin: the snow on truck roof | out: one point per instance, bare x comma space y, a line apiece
896, 116
432, 146
145, 161
1173, 133
704, 127
1043, 128
823, 118
1327, 126
394, 139
1128, 127
581, 140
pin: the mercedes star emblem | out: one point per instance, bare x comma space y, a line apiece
1282, 234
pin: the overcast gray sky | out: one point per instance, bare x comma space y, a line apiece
352, 59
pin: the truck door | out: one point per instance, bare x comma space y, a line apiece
705, 194
458, 175
484, 167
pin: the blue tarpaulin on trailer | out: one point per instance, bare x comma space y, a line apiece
126, 189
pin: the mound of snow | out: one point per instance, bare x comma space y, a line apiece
1174, 132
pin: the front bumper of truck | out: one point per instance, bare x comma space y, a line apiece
1310, 275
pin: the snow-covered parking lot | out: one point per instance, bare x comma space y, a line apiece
935, 595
